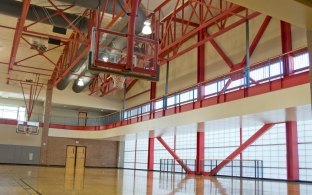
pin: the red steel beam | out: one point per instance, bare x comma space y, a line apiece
286, 39
131, 85
131, 33
292, 151
196, 30
174, 155
242, 147
150, 157
17, 36
200, 147
72, 64
182, 21
256, 40
234, 25
226, 59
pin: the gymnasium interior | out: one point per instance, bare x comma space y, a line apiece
155, 97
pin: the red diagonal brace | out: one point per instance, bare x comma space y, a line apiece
257, 39
18, 35
242, 147
174, 155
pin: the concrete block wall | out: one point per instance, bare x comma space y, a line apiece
99, 153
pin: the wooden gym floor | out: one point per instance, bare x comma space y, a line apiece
16, 180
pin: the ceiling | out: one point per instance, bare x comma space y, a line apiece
288, 10
292, 11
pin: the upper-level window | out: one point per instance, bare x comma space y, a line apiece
301, 61
12, 112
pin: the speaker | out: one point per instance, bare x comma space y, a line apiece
54, 41
59, 30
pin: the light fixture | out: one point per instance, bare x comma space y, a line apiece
147, 30
105, 58
80, 82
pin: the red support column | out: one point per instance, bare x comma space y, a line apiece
150, 157
131, 33
151, 140
292, 151
200, 144
200, 149
288, 64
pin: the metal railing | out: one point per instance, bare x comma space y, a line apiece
233, 168
259, 73
172, 165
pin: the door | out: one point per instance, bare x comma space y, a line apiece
82, 118
70, 159
80, 158
79, 168
74, 171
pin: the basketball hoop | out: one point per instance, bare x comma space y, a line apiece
119, 81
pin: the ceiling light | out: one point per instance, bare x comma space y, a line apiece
147, 30
80, 83
105, 58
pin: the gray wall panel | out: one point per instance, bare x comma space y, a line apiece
19, 154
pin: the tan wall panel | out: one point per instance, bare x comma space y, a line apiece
98, 153
10, 137
299, 37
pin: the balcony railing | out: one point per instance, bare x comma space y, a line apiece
234, 168
260, 73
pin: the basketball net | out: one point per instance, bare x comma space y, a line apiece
119, 81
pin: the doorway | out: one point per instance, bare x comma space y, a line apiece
75, 158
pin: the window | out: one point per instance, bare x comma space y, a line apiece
13, 112
159, 104
301, 61
188, 95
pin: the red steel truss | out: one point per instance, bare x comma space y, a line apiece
174, 155
189, 18
241, 148
22, 30
17, 36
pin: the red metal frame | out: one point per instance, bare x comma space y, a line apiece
150, 157
292, 151
200, 147
255, 42
174, 155
241, 148
286, 40
17, 36
151, 141
261, 88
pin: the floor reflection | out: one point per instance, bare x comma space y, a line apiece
49, 180
74, 179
